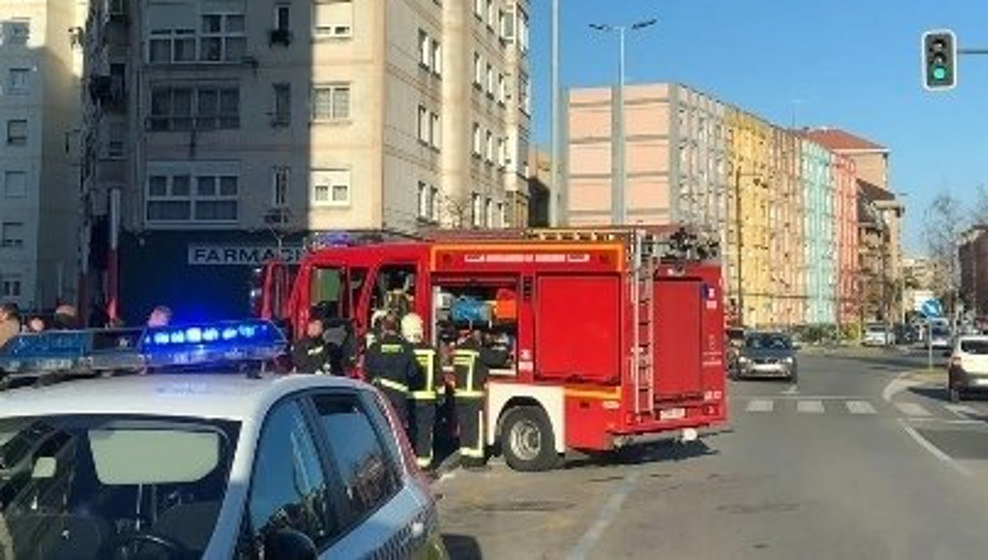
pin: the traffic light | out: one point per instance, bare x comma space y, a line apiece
939, 59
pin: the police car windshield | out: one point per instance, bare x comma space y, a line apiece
96, 486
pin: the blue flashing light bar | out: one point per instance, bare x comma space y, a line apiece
183, 345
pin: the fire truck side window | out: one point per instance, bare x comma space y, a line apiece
326, 292
393, 290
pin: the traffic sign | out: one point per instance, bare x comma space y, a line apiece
931, 308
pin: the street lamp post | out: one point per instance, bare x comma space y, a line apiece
555, 197
619, 172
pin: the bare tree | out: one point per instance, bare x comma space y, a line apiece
459, 208
979, 212
944, 224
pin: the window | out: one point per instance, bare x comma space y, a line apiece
14, 184
331, 102
477, 209
490, 80
425, 49
508, 26
368, 470
12, 234
478, 8
436, 200
524, 93
116, 140
502, 152
10, 286
489, 148
17, 132
502, 213
289, 487
222, 38
172, 45
16, 32
502, 88
282, 17
199, 192
488, 213
333, 18
282, 104
522, 31
476, 140
17, 80
280, 176
425, 201
423, 127
491, 14
199, 107
330, 187
435, 131
478, 70
437, 58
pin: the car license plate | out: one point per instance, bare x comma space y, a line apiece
672, 414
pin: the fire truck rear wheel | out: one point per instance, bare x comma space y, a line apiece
527, 440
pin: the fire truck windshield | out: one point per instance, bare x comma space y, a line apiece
326, 292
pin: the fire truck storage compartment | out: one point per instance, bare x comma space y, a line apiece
678, 334
578, 328
485, 304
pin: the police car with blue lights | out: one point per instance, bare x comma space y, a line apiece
178, 442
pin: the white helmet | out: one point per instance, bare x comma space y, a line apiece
411, 328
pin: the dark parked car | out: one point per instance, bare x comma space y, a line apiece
767, 354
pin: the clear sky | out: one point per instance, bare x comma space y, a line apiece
853, 64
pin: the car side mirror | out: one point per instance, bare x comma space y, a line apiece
289, 544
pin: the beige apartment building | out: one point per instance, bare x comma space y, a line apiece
40, 66
250, 123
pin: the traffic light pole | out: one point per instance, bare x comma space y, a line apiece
972, 51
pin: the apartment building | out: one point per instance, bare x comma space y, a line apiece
40, 68
846, 232
972, 256
251, 123
821, 273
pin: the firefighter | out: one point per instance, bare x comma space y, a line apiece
472, 361
424, 399
310, 354
391, 366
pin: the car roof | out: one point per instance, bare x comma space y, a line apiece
221, 396
972, 338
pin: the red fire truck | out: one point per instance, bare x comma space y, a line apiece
616, 335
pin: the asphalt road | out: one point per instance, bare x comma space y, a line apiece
852, 463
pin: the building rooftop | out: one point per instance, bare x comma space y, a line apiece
840, 140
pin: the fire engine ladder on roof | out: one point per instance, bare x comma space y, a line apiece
643, 332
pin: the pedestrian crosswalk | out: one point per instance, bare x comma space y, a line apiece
852, 406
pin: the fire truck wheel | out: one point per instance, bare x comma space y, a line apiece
527, 440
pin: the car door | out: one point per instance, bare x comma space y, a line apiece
387, 517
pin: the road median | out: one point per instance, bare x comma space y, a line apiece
935, 376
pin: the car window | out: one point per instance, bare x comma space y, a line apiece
768, 342
367, 470
85, 487
979, 347
288, 487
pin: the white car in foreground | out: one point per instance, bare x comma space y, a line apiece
214, 465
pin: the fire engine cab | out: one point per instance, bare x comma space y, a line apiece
614, 335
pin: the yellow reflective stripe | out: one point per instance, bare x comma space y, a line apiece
391, 384
423, 395
468, 394
391, 348
424, 461
426, 358
600, 395
479, 448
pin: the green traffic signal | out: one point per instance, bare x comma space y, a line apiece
939, 60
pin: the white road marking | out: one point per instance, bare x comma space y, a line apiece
912, 409
897, 385
760, 405
606, 516
791, 390
934, 450
810, 407
860, 407
961, 410
809, 397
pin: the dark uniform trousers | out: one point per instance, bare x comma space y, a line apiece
470, 400
424, 406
